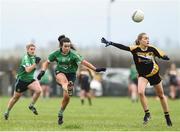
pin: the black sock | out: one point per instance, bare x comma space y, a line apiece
166, 113
168, 119
147, 112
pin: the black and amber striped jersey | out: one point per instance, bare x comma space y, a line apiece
144, 60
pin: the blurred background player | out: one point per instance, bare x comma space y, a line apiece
25, 80
46, 83
133, 83
68, 61
84, 79
148, 70
173, 81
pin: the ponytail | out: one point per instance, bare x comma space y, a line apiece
62, 39
139, 38
137, 42
72, 47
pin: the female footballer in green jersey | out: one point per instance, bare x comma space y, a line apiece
148, 70
25, 80
68, 61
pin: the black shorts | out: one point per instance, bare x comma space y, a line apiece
134, 81
69, 76
21, 86
155, 79
173, 80
85, 84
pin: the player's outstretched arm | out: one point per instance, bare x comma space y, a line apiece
92, 67
120, 46
165, 57
161, 54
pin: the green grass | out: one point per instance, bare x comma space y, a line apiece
106, 114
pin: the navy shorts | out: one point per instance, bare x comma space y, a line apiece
21, 86
69, 76
84, 83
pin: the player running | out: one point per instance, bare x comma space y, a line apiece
68, 61
144, 57
25, 80
84, 79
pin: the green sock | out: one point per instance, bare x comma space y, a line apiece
89, 99
31, 104
61, 112
82, 101
8, 110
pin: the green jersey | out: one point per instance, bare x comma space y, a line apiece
66, 63
27, 60
133, 72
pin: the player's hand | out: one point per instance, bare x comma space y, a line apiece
37, 60
165, 57
100, 69
103, 40
40, 75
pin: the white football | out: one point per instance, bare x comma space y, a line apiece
138, 16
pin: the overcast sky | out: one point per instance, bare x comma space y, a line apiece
85, 21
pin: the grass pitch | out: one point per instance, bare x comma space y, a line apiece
106, 114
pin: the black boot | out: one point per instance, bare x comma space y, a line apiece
60, 120
147, 117
168, 120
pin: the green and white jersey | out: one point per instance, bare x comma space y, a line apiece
66, 63
27, 60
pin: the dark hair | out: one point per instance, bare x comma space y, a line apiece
61, 37
139, 38
64, 40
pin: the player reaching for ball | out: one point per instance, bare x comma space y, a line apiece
144, 58
68, 61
